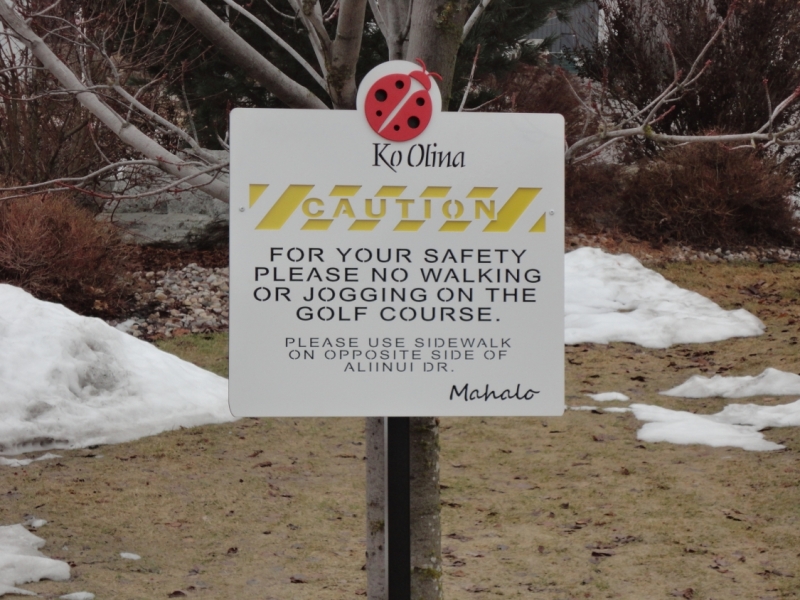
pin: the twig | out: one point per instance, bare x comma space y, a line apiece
469, 82
476, 108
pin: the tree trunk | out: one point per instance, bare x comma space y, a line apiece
376, 509
435, 36
426, 529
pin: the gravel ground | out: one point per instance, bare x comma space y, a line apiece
174, 300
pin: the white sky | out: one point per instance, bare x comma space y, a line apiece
68, 381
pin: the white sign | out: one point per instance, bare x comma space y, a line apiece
417, 277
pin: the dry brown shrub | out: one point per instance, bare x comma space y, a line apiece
542, 89
707, 195
592, 194
57, 251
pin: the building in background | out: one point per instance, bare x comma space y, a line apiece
581, 29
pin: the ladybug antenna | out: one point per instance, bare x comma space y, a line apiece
425, 69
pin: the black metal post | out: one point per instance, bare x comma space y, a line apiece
398, 507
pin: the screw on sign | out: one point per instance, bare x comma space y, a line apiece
399, 106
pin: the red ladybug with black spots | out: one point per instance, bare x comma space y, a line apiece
399, 106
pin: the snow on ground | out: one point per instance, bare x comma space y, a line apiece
737, 424
771, 382
738, 427
608, 397
68, 381
24, 462
129, 556
21, 562
612, 298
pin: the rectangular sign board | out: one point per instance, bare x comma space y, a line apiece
378, 278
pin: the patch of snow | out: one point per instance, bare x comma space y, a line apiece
130, 556
32, 521
609, 396
77, 596
612, 298
738, 425
771, 382
21, 562
761, 417
9, 589
125, 326
24, 462
68, 381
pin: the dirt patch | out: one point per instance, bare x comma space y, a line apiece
153, 258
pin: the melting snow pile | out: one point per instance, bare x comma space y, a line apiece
612, 298
68, 381
771, 382
21, 562
736, 425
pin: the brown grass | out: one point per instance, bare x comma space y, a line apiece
557, 508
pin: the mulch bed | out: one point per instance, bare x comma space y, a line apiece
154, 258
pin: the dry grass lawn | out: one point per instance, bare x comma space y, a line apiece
558, 508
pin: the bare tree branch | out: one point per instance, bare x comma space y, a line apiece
473, 18
127, 132
56, 185
380, 19
469, 82
344, 52
294, 54
310, 14
237, 49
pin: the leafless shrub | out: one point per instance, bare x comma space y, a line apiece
709, 196
57, 251
542, 89
592, 194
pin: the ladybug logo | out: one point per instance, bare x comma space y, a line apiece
398, 99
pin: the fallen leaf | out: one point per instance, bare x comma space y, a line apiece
176, 594
298, 579
263, 464
734, 515
254, 454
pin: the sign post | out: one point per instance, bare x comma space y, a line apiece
396, 261
398, 507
